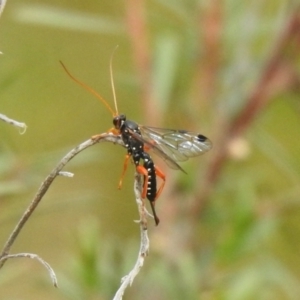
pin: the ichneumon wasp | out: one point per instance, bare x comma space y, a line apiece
171, 145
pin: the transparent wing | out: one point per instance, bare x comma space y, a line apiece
175, 145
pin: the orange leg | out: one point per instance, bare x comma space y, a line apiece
111, 130
96, 136
162, 176
127, 157
140, 169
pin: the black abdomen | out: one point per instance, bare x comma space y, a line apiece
149, 166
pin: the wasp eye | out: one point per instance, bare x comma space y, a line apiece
116, 122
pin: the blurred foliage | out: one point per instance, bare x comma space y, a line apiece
234, 237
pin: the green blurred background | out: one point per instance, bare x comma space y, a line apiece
230, 70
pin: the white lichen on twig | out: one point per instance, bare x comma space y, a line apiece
66, 174
36, 257
13, 122
144, 242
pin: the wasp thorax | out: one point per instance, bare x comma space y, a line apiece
118, 121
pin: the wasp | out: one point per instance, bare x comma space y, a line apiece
171, 145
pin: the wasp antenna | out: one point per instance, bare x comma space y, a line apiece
112, 79
88, 88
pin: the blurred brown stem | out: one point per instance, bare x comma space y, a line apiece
137, 29
257, 101
211, 25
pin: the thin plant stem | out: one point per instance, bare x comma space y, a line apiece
47, 183
144, 241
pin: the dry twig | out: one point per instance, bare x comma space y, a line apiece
13, 122
38, 258
46, 184
144, 246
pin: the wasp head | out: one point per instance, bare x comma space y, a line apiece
118, 121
